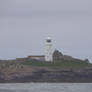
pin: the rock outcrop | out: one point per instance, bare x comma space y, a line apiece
58, 56
48, 75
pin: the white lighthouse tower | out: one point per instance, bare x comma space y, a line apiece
48, 50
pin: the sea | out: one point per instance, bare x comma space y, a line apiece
46, 87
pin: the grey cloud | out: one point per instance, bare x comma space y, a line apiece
24, 25
44, 7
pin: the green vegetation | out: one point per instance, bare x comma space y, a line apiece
75, 63
59, 64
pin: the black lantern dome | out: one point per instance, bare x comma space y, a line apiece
48, 40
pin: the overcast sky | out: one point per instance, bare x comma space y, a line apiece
25, 24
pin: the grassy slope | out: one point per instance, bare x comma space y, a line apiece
59, 64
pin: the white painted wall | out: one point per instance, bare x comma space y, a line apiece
48, 51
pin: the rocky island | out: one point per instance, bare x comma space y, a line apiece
63, 69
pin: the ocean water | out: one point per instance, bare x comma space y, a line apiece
46, 87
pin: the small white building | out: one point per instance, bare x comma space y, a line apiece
37, 57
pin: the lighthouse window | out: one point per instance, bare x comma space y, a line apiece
48, 40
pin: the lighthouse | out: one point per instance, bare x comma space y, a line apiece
48, 50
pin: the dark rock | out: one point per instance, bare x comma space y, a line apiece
57, 55
51, 76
